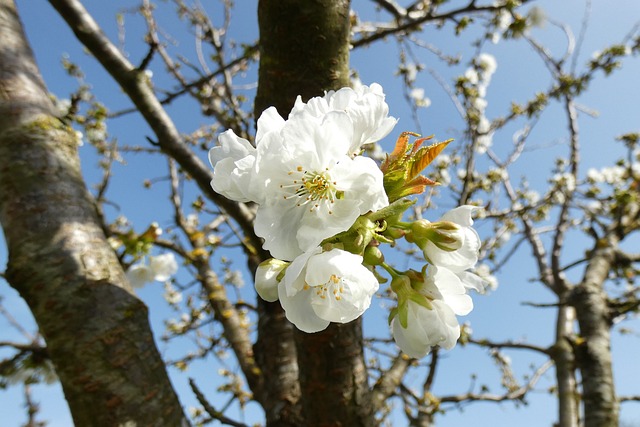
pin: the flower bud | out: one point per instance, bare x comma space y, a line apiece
268, 275
446, 235
373, 255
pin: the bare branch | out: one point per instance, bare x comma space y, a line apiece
518, 394
509, 344
134, 82
390, 380
213, 413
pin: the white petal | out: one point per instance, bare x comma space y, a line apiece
269, 121
317, 226
163, 266
297, 309
234, 169
426, 328
277, 224
452, 290
139, 274
361, 178
473, 281
461, 215
295, 277
341, 286
230, 146
461, 259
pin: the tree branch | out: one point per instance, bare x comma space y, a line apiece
135, 84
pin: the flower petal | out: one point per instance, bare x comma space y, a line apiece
163, 266
276, 223
297, 310
426, 328
269, 121
341, 286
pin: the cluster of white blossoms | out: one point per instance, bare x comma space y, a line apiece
324, 209
479, 77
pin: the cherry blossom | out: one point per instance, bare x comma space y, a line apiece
313, 189
322, 287
160, 268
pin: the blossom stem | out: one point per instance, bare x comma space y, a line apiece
392, 271
394, 209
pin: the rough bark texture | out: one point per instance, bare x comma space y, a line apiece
333, 377
96, 330
304, 50
593, 353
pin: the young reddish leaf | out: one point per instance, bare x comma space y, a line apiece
425, 156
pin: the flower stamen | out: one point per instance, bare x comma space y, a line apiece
311, 187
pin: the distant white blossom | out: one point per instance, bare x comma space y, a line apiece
417, 94
171, 294
484, 272
565, 180
160, 268
488, 65
504, 20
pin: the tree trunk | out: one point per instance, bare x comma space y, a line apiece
593, 354
96, 330
304, 50
563, 357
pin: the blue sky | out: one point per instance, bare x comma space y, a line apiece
520, 74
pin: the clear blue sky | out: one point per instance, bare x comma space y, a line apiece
520, 74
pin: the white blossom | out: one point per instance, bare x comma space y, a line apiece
171, 294
472, 76
565, 180
159, 268
467, 255
488, 65
139, 274
504, 20
417, 94
426, 329
484, 272
531, 196
63, 106
163, 266
438, 325
614, 174
313, 190
322, 287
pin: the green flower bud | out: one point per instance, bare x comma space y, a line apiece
446, 235
373, 255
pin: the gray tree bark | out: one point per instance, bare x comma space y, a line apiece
97, 331
593, 351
